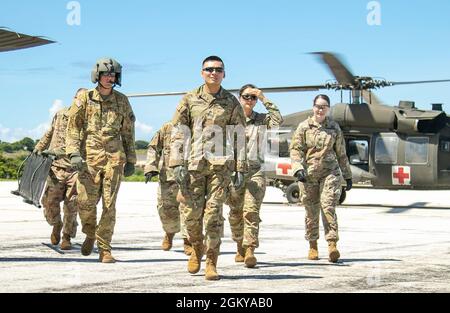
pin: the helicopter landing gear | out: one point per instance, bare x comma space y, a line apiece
293, 193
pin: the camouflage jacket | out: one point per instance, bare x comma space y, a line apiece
102, 130
55, 138
315, 147
257, 124
205, 116
158, 154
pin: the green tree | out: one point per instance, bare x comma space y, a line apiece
141, 144
9, 167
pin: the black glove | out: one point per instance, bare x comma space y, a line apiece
128, 170
238, 180
181, 174
349, 184
76, 161
150, 175
301, 176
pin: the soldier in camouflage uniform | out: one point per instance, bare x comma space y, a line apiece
61, 182
100, 141
320, 163
245, 204
169, 210
205, 113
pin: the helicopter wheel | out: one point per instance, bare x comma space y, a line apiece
343, 196
293, 193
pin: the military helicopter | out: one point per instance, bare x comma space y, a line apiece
389, 147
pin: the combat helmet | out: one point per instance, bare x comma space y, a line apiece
107, 65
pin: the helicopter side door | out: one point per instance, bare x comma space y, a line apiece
402, 161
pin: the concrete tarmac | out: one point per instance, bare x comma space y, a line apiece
390, 241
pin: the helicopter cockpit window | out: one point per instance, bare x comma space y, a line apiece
416, 150
278, 142
358, 152
445, 145
386, 150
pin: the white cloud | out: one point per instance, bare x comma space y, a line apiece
16, 134
56, 106
144, 128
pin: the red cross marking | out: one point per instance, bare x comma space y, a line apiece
401, 176
284, 167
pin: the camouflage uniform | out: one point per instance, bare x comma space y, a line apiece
209, 176
61, 182
158, 154
102, 130
245, 204
319, 149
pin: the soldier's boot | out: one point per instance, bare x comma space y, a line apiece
250, 259
211, 263
187, 247
87, 246
195, 259
105, 256
167, 242
313, 253
66, 244
240, 253
333, 252
55, 237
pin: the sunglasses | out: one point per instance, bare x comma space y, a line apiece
321, 107
108, 74
249, 97
212, 69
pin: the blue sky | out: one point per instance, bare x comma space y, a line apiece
161, 46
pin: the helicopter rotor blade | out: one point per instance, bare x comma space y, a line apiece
419, 82
266, 89
337, 67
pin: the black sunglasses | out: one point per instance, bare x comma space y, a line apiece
249, 97
321, 107
212, 69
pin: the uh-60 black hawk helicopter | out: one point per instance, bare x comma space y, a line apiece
389, 147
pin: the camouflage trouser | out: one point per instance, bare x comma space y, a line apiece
245, 205
183, 229
61, 186
321, 195
170, 212
92, 185
212, 183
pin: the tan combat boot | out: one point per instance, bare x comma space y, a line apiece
250, 259
55, 237
187, 247
87, 246
333, 252
211, 263
167, 242
195, 259
105, 256
313, 253
65, 244
240, 253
